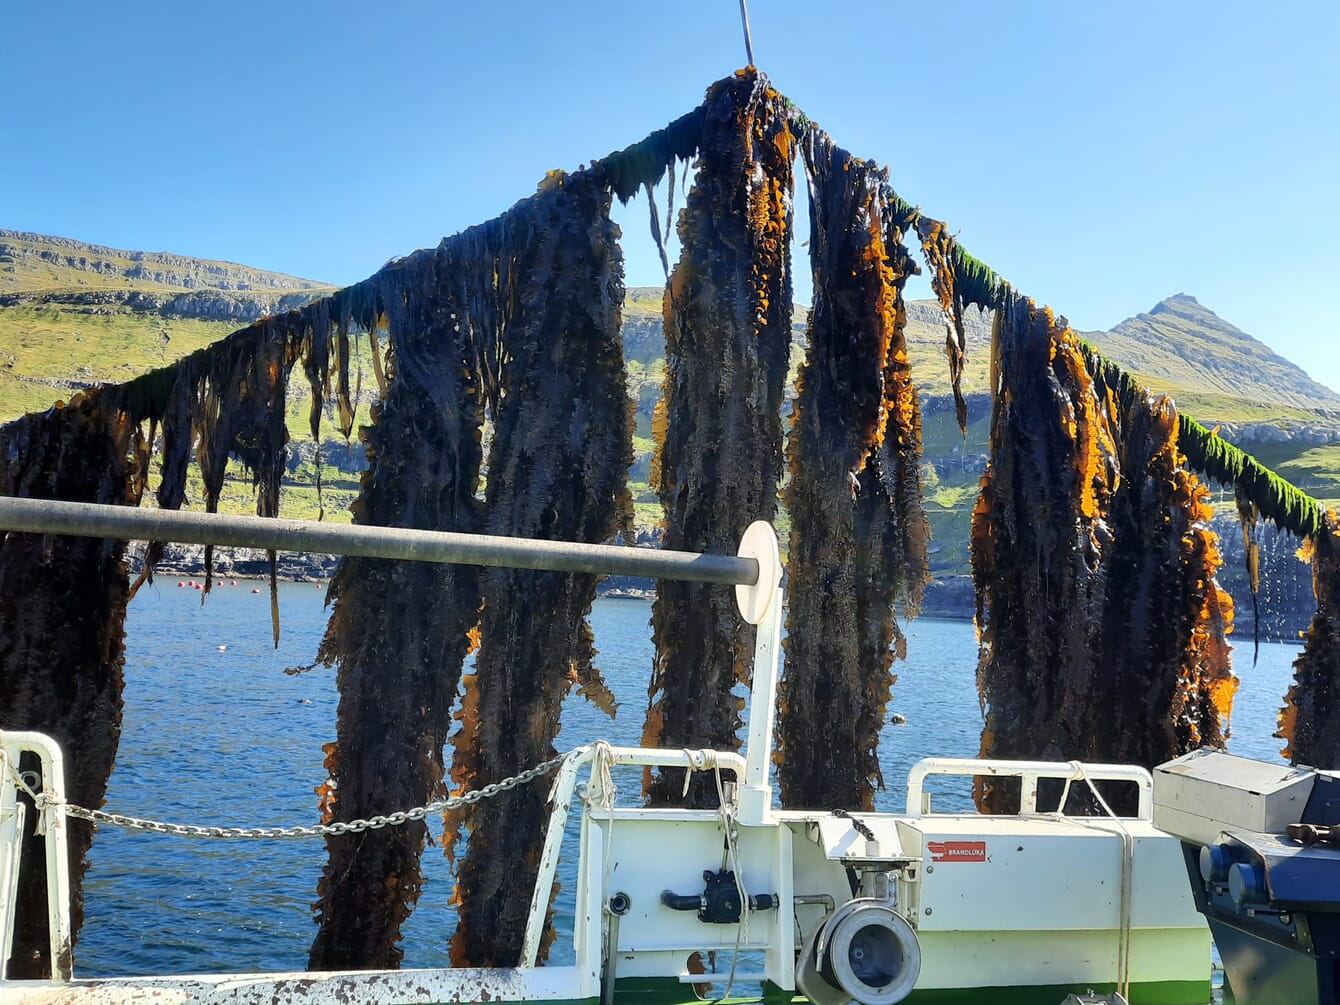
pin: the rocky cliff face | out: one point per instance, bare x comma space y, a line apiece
205, 305
37, 262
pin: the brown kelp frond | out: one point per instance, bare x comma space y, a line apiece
1037, 534
62, 608
1249, 516
1094, 564
858, 531
1308, 722
398, 630
718, 458
558, 460
937, 244
397, 685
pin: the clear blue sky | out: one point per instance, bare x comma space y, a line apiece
1100, 155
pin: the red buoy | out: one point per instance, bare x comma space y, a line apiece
180, 584
255, 589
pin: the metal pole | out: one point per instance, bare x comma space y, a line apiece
748, 42
46, 516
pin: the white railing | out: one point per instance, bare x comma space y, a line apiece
52, 826
1029, 774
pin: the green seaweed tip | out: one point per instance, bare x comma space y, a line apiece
1279, 500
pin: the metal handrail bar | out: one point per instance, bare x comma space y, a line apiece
127, 523
1029, 772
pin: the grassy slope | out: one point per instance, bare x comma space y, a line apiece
39, 343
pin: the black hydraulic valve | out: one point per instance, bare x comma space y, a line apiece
719, 903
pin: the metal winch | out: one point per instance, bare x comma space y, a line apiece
1256, 840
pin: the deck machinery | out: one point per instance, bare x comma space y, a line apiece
1263, 871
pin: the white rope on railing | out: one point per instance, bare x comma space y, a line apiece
1127, 877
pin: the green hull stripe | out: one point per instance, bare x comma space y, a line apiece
1149, 993
657, 991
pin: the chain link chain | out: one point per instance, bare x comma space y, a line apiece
395, 819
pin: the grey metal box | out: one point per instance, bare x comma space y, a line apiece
1207, 791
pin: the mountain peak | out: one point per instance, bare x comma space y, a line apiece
1184, 305
1182, 344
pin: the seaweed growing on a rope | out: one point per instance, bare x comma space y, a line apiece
937, 244
227, 400
557, 468
398, 630
239, 411
62, 610
718, 429
1094, 565
859, 534
1309, 722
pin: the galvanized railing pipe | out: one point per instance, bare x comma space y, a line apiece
45, 516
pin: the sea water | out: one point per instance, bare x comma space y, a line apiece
215, 732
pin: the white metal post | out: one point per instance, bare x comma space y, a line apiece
53, 819
761, 605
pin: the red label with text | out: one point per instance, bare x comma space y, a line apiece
957, 851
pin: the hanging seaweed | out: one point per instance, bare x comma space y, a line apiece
1309, 722
718, 429
238, 410
858, 532
558, 461
62, 610
397, 634
165, 398
1102, 627
937, 244
1249, 516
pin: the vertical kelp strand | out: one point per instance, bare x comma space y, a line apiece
1309, 722
858, 532
1249, 515
62, 610
1102, 626
558, 460
315, 353
718, 459
938, 246
397, 633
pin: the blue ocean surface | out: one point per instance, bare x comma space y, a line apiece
216, 733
